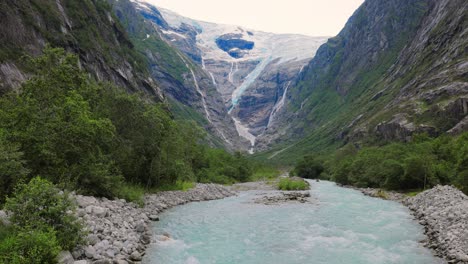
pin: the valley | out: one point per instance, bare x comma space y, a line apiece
130, 133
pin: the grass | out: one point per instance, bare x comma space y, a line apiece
265, 173
132, 193
413, 193
5, 232
292, 184
382, 194
178, 186
136, 193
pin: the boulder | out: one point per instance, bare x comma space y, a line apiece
136, 256
4, 219
90, 252
65, 257
85, 201
97, 211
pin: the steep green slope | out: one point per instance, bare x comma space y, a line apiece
87, 28
381, 79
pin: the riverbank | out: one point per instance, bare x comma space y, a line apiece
443, 211
119, 232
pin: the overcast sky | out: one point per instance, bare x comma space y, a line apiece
309, 17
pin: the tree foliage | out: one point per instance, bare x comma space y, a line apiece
309, 167
39, 205
420, 164
96, 138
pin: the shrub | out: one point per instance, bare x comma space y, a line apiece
309, 168
290, 184
30, 247
38, 205
12, 168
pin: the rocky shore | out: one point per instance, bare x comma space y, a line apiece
119, 232
443, 211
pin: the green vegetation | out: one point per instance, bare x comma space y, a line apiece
31, 247
43, 223
99, 140
93, 138
309, 167
292, 184
343, 85
263, 172
420, 164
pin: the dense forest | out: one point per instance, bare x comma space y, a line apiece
417, 165
98, 140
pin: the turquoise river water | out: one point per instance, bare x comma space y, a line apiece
339, 226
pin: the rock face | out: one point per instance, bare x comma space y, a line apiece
443, 211
119, 232
89, 30
397, 68
250, 69
190, 90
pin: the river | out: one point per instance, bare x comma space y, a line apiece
339, 226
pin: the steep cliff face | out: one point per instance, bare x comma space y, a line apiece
250, 69
87, 28
189, 89
397, 68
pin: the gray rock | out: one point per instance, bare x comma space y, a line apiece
118, 229
154, 218
140, 227
80, 262
97, 211
65, 257
84, 201
136, 256
102, 261
443, 211
90, 252
4, 219
93, 239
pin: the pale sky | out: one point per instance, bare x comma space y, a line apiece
309, 17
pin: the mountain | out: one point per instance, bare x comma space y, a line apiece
114, 44
189, 89
396, 69
251, 70
87, 28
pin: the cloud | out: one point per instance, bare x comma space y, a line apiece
310, 17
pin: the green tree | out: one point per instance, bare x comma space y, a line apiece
39, 205
52, 121
30, 247
309, 167
12, 170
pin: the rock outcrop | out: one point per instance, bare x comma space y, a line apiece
89, 30
250, 69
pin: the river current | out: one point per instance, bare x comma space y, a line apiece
339, 226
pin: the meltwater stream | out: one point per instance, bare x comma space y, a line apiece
339, 226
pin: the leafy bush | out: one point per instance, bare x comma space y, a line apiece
132, 193
38, 205
12, 168
30, 247
309, 167
290, 184
420, 164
